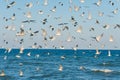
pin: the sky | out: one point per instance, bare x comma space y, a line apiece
62, 14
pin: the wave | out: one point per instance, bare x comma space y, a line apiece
102, 70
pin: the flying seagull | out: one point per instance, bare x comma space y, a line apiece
98, 38
28, 21
11, 4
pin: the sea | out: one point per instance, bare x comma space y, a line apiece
45, 64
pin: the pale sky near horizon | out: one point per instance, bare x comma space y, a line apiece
84, 39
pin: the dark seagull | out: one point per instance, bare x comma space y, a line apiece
28, 21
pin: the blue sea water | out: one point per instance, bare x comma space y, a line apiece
43, 64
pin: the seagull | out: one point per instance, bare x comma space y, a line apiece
21, 33
62, 57
63, 24
45, 2
21, 49
83, 39
89, 45
37, 68
97, 52
21, 41
2, 73
98, 3
72, 19
97, 22
36, 32
76, 8
44, 32
8, 50
52, 38
106, 26
61, 3
58, 32
109, 53
53, 9
100, 13
65, 28
69, 39
20, 64
117, 26
112, 3
28, 21
92, 29
103, 45
45, 39
62, 47
48, 53
89, 16
111, 38
20, 73
5, 57
115, 11
40, 12
18, 56
60, 68
44, 21
29, 5
29, 54
12, 28
83, 13
11, 4
51, 27
98, 38
33, 46
79, 30
28, 14
74, 48
82, 1
70, 9
82, 68
37, 56
75, 24
6, 19
32, 33
13, 17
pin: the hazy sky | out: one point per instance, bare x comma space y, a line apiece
62, 14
